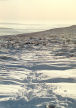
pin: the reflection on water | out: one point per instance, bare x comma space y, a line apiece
37, 74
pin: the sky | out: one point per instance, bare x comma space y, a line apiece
53, 11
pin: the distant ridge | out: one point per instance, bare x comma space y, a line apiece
62, 31
64, 38
73, 26
65, 28
5, 28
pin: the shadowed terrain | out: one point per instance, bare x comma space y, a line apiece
38, 69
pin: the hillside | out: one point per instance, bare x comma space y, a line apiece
38, 69
62, 40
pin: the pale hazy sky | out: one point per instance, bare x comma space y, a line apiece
60, 11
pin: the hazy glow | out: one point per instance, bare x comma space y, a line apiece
38, 10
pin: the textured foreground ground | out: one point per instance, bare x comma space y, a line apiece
38, 69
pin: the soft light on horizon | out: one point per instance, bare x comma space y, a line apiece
53, 11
